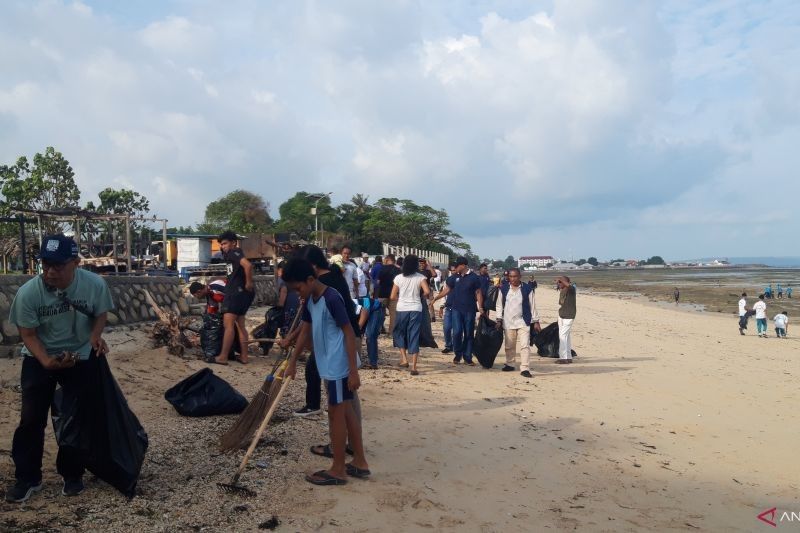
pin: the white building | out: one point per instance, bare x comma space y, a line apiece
539, 261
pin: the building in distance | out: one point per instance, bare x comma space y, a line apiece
538, 261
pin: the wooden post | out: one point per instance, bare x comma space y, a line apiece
128, 241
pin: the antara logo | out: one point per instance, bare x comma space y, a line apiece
768, 516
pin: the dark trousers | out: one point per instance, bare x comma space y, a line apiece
38, 386
447, 326
463, 334
313, 383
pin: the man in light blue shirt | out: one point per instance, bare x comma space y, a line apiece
60, 315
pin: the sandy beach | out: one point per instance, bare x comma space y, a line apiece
668, 419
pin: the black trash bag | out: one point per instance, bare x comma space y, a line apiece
205, 394
426, 339
103, 428
488, 340
211, 334
490, 301
546, 341
273, 320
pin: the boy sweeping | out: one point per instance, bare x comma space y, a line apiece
326, 324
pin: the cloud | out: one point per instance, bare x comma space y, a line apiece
594, 123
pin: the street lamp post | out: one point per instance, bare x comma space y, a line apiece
316, 214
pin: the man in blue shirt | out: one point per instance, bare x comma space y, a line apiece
60, 315
486, 281
445, 311
466, 301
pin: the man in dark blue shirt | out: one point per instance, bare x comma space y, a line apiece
467, 299
486, 281
444, 311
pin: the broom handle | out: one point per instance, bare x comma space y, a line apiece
261, 428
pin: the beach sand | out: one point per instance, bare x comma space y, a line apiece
668, 419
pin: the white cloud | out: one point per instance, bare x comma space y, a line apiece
595, 122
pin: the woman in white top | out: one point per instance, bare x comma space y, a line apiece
406, 291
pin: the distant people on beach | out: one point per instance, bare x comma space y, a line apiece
743, 316
760, 308
677, 295
781, 321
780, 291
789, 291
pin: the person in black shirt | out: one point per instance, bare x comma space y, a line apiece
239, 295
386, 276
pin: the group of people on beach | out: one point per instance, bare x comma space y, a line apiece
759, 309
769, 294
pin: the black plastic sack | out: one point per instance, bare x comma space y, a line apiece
490, 301
273, 320
488, 340
211, 334
546, 341
426, 339
205, 394
101, 425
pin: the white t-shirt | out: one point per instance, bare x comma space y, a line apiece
438, 274
350, 274
761, 309
781, 320
408, 293
362, 283
742, 307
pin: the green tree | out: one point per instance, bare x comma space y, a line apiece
46, 185
592, 261
352, 218
240, 211
580, 262
655, 260
296, 217
510, 262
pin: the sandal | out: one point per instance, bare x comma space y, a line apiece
415, 372
404, 365
323, 478
213, 361
324, 450
354, 471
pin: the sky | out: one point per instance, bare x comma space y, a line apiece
570, 128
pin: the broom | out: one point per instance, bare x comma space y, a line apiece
241, 430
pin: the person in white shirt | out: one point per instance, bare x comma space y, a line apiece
408, 322
781, 321
350, 271
362, 283
743, 313
515, 312
761, 316
365, 268
437, 280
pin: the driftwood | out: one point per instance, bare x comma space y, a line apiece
169, 331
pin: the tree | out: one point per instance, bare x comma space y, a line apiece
592, 261
617, 261
120, 202
47, 185
404, 222
239, 211
352, 217
580, 262
182, 230
655, 260
296, 218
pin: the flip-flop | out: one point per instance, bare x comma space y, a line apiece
323, 478
213, 361
415, 372
354, 471
326, 450
404, 365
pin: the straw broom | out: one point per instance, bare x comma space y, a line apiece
242, 430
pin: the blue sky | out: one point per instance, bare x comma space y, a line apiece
580, 127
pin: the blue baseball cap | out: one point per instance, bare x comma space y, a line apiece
58, 249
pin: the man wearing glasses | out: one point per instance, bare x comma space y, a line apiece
60, 315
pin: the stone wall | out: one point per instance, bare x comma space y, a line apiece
170, 293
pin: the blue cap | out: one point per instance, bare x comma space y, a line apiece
58, 249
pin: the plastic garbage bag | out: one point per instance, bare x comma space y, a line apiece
102, 426
546, 341
426, 339
488, 340
205, 394
211, 334
273, 320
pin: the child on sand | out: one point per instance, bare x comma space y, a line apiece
760, 308
781, 321
326, 326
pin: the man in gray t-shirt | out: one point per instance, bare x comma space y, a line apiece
60, 315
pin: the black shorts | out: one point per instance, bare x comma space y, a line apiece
238, 302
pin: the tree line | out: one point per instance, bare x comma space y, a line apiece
47, 182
